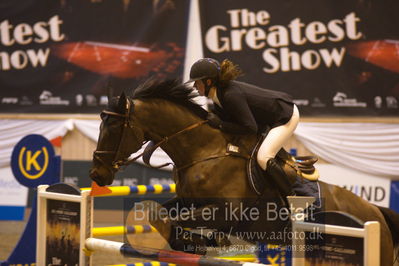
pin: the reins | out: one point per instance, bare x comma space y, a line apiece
116, 164
148, 151
151, 149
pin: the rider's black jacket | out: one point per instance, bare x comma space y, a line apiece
247, 108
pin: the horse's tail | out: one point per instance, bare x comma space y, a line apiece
392, 219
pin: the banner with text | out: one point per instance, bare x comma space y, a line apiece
334, 58
64, 56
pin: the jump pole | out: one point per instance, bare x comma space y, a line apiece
177, 257
137, 190
151, 263
122, 230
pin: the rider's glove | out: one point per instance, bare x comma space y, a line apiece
214, 121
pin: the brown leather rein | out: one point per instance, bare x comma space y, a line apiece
148, 151
146, 154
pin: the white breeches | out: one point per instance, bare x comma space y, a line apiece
276, 138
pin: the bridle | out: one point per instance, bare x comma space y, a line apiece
116, 162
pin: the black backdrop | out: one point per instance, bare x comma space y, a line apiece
290, 46
62, 55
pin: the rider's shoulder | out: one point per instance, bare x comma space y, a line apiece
235, 86
239, 87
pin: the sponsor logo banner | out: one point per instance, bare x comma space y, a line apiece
371, 188
13, 196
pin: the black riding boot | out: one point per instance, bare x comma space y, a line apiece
274, 170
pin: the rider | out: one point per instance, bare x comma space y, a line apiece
245, 108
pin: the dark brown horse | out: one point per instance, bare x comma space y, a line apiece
204, 169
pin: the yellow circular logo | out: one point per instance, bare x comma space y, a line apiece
31, 161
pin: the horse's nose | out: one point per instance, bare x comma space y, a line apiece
96, 177
92, 173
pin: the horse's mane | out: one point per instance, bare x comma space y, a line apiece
171, 90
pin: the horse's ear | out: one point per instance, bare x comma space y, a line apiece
122, 102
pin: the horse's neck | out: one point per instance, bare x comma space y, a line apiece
160, 118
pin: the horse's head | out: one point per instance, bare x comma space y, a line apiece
118, 138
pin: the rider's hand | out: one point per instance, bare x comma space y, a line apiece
214, 121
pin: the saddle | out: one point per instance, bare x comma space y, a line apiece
303, 166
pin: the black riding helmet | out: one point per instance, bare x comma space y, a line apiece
204, 68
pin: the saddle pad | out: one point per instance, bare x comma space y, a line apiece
305, 187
